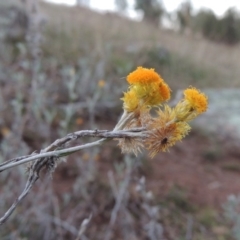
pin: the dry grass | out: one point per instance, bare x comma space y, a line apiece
82, 28
221, 58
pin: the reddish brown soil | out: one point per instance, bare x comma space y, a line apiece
209, 171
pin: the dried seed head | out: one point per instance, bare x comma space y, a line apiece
131, 145
164, 131
163, 137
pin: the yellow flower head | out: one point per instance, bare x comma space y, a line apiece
196, 99
193, 104
130, 101
143, 76
152, 94
164, 91
149, 87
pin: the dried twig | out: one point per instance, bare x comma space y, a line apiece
31, 180
83, 227
131, 133
47, 157
189, 232
63, 224
153, 228
119, 195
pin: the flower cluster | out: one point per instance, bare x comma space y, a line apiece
148, 90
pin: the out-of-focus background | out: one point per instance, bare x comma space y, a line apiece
63, 69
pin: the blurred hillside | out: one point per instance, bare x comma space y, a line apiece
109, 32
63, 69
